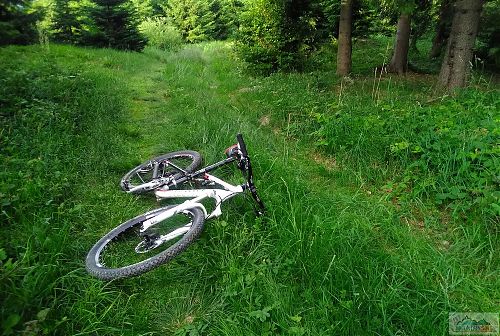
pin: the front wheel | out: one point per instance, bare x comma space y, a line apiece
126, 252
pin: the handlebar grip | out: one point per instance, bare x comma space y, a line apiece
242, 145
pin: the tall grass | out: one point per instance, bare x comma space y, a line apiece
60, 116
333, 255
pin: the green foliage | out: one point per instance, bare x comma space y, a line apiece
115, 25
447, 153
261, 314
226, 18
421, 19
202, 20
191, 329
487, 44
372, 18
407, 6
274, 35
326, 15
193, 18
17, 23
161, 34
144, 9
68, 21
282, 35
258, 41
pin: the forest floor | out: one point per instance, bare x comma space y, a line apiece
338, 252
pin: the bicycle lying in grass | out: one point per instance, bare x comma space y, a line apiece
151, 239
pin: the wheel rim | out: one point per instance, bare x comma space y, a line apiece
162, 168
131, 246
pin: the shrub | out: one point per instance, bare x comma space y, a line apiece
489, 34
273, 35
160, 33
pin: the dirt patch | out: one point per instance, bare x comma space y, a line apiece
248, 89
326, 161
264, 120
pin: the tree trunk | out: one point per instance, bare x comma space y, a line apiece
442, 29
344, 53
399, 60
455, 69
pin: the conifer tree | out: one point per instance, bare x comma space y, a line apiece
17, 25
225, 17
143, 8
66, 24
194, 19
115, 25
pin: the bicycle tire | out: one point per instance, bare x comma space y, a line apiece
141, 173
98, 269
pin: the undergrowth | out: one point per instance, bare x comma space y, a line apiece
446, 152
402, 134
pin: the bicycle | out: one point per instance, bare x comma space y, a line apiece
156, 237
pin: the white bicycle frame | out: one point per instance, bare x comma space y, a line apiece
226, 191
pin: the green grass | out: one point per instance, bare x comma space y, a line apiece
336, 253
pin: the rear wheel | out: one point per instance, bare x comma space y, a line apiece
169, 165
126, 252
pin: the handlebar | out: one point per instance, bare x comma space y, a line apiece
246, 168
236, 153
241, 144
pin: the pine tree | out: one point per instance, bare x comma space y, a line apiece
143, 8
115, 25
17, 25
193, 18
66, 24
225, 17
275, 34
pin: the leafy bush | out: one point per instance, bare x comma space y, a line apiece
273, 35
160, 33
202, 20
489, 34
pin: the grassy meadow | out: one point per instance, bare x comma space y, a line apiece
382, 194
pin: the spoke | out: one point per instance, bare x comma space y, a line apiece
163, 169
139, 176
175, 166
